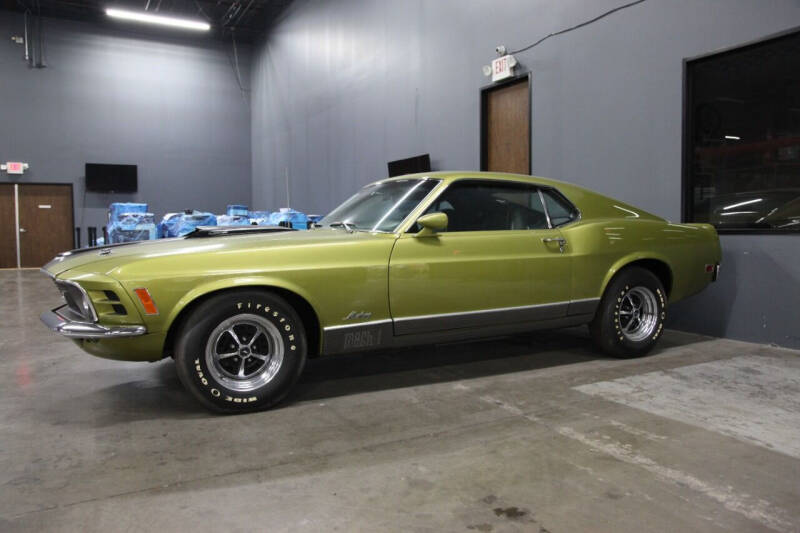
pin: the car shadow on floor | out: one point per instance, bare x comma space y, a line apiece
159, 394
152, 392
328, 377
155, 392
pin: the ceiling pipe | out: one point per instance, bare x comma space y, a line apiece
232, 11
40, 63
241, 16
27, 45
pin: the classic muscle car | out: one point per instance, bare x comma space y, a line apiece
412, 260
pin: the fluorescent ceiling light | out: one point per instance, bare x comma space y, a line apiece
158, 19
733, 137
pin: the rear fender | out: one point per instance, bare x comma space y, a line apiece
627, 260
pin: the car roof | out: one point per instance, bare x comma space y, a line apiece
451, 175
591, 204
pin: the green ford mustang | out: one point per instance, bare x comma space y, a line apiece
411, 260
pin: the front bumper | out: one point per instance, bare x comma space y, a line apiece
62, 325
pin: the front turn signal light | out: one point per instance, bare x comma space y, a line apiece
147, 302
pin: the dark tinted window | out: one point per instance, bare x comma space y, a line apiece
560, 210
485, 206
743, 137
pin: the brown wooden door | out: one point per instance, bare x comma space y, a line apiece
45, 222
8, 227
506, 135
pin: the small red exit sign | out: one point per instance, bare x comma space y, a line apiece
15, 167
503, 67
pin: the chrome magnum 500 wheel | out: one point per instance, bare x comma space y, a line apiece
638, 313
244, 352
241, 351
631, 314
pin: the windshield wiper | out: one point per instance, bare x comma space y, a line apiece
348, 226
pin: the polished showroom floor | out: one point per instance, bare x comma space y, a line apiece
528, 433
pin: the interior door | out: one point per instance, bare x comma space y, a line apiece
45, 222
497, 263
506, 127
8, 228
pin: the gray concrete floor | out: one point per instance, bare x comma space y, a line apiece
529, 433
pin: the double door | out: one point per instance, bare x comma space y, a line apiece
36, 223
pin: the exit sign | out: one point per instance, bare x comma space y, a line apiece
14, 167
503, 67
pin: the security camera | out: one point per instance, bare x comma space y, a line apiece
500, 49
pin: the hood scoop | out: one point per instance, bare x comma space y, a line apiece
217, 231
200, 231
108, 250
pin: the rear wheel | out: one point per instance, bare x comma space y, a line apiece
241, 351
631, 315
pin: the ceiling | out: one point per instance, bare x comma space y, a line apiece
245, 19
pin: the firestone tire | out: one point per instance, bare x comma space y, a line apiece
631, 315
241, 351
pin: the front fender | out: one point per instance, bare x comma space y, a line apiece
238, 282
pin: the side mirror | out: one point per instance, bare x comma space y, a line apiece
431, 223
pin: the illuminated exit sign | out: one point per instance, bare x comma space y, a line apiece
503, 67
14, 167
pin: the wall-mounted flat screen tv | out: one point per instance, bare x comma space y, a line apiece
111, 178
412, 165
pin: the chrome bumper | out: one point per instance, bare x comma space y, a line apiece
85, 330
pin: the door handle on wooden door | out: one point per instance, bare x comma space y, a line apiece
22, 230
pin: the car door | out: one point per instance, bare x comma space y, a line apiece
498, 263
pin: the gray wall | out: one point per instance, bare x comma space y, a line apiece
339, 88
168, 104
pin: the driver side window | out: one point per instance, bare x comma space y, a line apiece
472, 205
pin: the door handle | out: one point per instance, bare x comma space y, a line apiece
22, 230
562, 242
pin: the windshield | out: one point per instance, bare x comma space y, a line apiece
380, 206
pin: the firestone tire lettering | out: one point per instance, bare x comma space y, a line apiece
190, 355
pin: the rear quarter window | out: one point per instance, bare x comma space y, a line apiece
560, 210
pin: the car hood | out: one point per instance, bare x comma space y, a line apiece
104, 259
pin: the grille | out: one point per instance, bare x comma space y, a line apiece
74, 299
111, 295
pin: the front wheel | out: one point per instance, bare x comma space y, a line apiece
241, 351
631, 315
